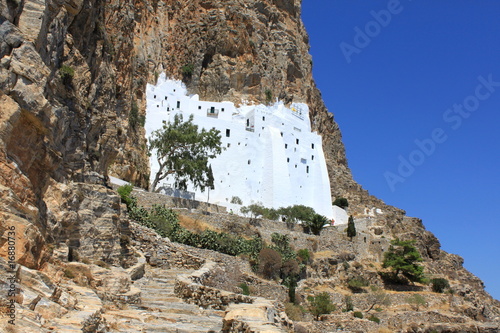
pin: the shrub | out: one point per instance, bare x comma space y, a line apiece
67, 73
321, 304
416, 301
124, 192
356, 285
374, 319
187, 71
269, 96
439, 285
304, 256
294, 312
358, 314
281, 243
244, 289
69, 273
341, 202
269, 263
134, 118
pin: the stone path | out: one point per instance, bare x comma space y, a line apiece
161, 310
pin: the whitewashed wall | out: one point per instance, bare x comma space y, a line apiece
276, 160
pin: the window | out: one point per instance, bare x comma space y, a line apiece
286, 145
307, 169
178, 104
212, 109
295, 166
248, 122
297, 141
199, 107
263, 118
228, 145
228, 132
288, 160
312, 145
312, 158
157, 105
155, 97
166, 97
249, 162
281, 134
222, 109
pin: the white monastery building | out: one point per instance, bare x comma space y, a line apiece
271, 156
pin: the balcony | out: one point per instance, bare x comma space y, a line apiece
213, 112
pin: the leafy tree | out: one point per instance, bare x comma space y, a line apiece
403, 258
351, 228
295, 213
236, 200
321, 304
378, 297
341, 202
184, 151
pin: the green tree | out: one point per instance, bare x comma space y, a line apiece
295, 213
321, 304
403, 258
351, 228
184, 152
341, 202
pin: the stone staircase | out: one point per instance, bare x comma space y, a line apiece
161, 310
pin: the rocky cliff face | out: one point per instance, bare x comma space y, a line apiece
72, 82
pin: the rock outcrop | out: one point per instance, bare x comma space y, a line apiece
72, 81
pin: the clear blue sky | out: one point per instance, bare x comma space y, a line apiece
414, 75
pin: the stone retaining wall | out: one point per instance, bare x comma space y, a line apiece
191, 289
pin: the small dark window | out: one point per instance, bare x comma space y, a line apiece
262, 127
155, 97
228, 132
281, 134
178, 104
228, 145
222, 109
249, 162
157, 105
199, 107
248, 122
295, 166
286, 146
288, 160
312, 158
307, 169
264, 118
312, 145
212, 109
297, 141
166, 97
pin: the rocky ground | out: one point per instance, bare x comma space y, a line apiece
176, 288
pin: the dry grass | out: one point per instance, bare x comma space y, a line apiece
323, 254
195, 225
